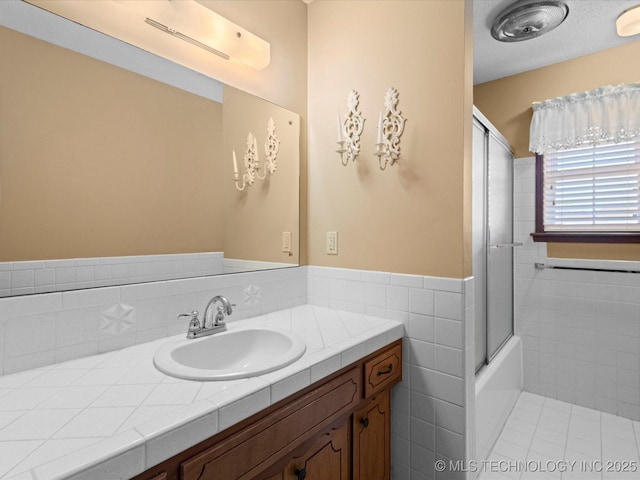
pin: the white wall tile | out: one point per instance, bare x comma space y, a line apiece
29, 334
398, 298
423, 434
421, 327
580, 328
421, 301
448, 332
448, 305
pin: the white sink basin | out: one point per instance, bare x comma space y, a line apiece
236, 353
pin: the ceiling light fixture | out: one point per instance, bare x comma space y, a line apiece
628, 23
526, 19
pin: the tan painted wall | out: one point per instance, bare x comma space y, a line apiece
255, 218
92, 164
507, 104
413, 217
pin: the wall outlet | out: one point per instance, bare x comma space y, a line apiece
332, 243
286, 242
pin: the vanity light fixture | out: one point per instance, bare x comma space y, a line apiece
194, 23
628, 23
350, 130
390, 128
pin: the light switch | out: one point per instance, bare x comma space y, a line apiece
286, 242
332, 243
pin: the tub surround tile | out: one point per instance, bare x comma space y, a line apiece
592, 317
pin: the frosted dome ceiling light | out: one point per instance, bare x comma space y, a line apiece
628, 23
528, 19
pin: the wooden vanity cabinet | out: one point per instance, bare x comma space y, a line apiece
328, 458
336, 429
372, 439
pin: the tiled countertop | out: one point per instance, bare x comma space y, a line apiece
114, 415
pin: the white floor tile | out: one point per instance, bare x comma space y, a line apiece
517, 437
586, 447
548, 435
510, 450
577, 443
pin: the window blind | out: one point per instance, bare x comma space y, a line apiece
593, 189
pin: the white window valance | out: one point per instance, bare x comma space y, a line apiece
606, 115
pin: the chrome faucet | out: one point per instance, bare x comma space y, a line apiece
199, 329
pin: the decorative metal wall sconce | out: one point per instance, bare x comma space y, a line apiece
390, 128
251, 161
271, 147
349, 132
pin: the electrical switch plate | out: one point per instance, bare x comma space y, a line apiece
286, 242
332, 243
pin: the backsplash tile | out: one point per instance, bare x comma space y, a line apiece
78, 323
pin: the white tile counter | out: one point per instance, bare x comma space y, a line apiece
113, 416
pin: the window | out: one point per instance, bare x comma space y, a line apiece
589, 194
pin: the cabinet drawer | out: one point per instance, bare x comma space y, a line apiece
249, 452
383, 370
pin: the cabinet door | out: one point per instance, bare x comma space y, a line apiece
328, 458
372, 439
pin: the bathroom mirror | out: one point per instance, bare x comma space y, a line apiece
109, 177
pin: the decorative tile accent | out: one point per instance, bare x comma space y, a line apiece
252, 296
118, 319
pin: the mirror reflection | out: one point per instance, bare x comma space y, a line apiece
109, 177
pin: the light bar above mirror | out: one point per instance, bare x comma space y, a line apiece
185, 32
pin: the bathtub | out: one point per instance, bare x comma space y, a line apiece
498, 386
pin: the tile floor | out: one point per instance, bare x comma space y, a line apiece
549, 439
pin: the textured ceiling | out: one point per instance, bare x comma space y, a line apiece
590, 27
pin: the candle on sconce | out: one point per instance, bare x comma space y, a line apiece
255, 148
340, 139
235, 165
380, 128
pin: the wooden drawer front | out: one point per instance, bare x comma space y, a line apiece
383, 370
244, 455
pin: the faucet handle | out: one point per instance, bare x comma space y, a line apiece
194, 324
192, 315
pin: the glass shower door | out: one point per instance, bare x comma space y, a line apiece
500, 252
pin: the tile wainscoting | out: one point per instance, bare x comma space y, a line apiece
432, 407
